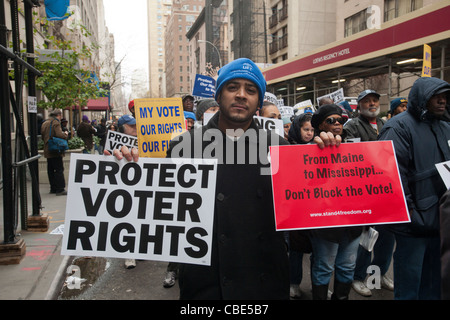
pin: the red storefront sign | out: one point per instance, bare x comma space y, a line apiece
353, 184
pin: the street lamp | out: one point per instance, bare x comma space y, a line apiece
218, 52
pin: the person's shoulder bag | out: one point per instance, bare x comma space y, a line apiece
56, 144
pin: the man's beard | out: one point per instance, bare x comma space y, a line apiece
370, 114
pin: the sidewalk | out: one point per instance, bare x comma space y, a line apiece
41, 271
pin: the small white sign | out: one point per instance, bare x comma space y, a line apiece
32, 105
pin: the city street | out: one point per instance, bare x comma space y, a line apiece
145, 283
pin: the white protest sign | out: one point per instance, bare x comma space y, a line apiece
266, 123
155, 209
301, 107
337, 96
271, 124
271, 98
286, 111
444, 171
116, 140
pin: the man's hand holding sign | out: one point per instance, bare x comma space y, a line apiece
155, 209
354, 184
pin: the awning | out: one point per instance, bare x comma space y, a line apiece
428, 25
100, 104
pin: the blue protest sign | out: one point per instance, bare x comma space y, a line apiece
204, 86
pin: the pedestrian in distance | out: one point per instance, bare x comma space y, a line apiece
64, 128
249, 258
420, 136
86, 132
101, 133
333, 249
55, 165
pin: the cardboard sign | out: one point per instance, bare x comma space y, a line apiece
158, 122
353, 184
204, 86
116, 140
155, 209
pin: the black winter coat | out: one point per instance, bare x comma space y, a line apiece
249, 258
421, 141
445, 246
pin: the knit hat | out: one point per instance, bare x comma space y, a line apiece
324, 112
203, 105
85, 118
189, 115
242, 68
131, 105
395, 103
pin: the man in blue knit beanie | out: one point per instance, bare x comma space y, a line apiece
248, 256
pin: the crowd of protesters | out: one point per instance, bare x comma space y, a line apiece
420, 130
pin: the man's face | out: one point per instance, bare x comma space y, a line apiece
370, 106
130, 129
239, 101
437, 104
401, 108
188, 104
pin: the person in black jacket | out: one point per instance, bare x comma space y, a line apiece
421, 138
445, 245
333, 249
249, 257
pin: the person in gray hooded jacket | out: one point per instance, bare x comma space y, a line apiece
421, 138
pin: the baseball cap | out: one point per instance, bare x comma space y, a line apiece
127, 119
365, 93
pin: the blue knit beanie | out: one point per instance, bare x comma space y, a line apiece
242, 68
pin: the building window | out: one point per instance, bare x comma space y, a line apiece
396, 8
356, 23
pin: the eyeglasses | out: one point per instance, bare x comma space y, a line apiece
334, 120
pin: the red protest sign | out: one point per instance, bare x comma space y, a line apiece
353, 184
